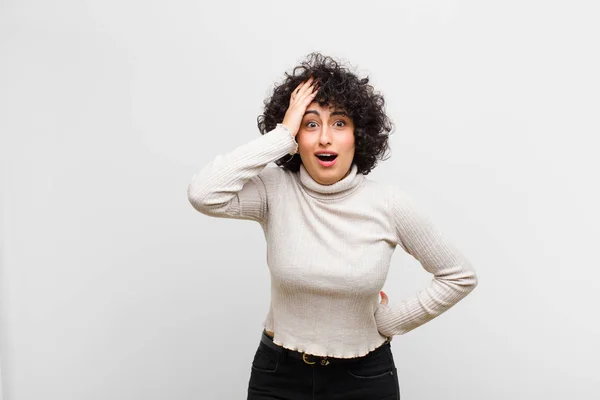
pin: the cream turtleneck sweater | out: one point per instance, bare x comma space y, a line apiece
329, 248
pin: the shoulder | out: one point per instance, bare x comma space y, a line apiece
272, 173
396, 199
384, 190
380, 195
274, 178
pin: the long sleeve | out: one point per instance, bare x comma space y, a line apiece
233, 185
453, 275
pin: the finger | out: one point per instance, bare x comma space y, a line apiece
305, 85
299, 86
384, 298
309, 98
308, 94
296, 90
300, 89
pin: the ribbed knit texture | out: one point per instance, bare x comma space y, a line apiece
329, 248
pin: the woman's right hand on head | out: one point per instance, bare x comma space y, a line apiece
300, 98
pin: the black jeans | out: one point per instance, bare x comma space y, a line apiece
277, 375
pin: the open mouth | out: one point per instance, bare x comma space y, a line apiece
327, 157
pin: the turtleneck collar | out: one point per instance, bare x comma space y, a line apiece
342, 188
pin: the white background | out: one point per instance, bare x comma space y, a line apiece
114, 287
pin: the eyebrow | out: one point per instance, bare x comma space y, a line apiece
333, 113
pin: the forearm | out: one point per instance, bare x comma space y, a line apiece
443, 292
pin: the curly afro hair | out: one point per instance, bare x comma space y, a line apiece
341, 89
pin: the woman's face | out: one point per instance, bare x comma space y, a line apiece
326, 129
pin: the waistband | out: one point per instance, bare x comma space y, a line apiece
312, 359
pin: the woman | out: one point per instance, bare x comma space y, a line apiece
330, 236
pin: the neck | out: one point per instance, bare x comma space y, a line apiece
342, 188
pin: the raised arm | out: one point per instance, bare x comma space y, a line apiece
453, 275
235, 185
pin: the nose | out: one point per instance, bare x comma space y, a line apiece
325, 137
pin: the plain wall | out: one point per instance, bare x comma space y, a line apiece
114, 287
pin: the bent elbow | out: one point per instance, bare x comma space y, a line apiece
196, 197
469, 281
200, 199
208, 202
464, 279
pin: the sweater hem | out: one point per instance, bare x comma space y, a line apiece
307, 350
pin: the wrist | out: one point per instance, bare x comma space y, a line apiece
285, 128
290, 127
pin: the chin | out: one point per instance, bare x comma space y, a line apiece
330, 176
